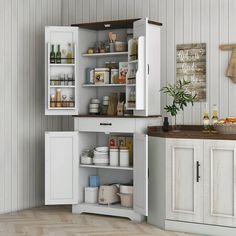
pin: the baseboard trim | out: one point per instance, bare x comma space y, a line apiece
203, 229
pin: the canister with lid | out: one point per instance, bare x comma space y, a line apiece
124, 157
114, 156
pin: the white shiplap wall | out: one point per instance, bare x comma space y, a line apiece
22, 120
184, 21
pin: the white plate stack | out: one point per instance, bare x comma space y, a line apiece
100, 156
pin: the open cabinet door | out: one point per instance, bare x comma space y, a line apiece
61, 168
141, 174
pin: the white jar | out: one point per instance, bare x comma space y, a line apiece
91, 195
124, 157
114, 157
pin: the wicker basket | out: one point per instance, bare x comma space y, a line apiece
226, 128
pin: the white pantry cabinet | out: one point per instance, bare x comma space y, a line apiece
65, 178
61, 168
76, 95
194, 188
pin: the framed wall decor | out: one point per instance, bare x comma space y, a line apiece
191, 66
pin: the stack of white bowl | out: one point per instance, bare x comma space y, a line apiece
94, 106
100, 156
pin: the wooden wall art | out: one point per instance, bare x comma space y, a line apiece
191, 66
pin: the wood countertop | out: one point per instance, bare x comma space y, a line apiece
188, 132
106, 116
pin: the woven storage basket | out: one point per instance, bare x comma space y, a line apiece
226, 128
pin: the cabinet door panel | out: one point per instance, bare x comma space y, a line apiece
141, 173
184, 190
219, 187
61, 168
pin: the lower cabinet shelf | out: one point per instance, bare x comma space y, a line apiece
112, 210
107, 167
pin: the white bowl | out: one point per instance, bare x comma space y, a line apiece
95, 101
86, 160
102, 149
106, 98
106, 103
93, 105
101, 161
93, 110
126, 189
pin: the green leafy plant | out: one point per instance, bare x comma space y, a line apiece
181, 96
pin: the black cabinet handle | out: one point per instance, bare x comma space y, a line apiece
106, 124
198, 175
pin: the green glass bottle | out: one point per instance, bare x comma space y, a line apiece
52, 55
58, 55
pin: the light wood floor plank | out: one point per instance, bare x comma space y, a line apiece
59, 221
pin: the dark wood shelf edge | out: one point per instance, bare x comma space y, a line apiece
117, 24
188, 132
105, 116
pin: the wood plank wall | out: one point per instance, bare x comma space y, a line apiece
184, 21
22, 120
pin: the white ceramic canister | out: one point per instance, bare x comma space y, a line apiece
114, 157
124, 157
91, 195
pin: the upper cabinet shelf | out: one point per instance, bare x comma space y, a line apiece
105, 54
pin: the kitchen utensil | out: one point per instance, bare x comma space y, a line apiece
95, 101
126, 200
93, 105
108, 194
101, 161
91, 195
93, 110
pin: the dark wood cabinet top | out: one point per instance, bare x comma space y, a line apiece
188, 132
106, 116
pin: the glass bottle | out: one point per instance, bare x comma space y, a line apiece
58, 55
58, 97
69, 55
214, 118
52, 55
206, 121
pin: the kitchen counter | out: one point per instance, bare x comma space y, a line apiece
188, 132
107, 116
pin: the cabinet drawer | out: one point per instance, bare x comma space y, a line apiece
92, 124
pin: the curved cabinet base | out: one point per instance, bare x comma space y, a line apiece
112, 210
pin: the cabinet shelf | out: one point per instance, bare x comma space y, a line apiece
52, 64
107, 167
62, 86
103, 85
133, 62
105, 54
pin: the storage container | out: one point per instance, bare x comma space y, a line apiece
114, 157
114, 76
124, 157
94, 181
91, 195
126, 199
101, 75
120, 46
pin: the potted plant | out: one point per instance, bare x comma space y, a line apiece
181, 97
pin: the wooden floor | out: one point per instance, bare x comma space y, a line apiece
59, 221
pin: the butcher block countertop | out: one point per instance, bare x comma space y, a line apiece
188, 132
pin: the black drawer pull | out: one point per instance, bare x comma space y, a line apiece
106, 124
198, 175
